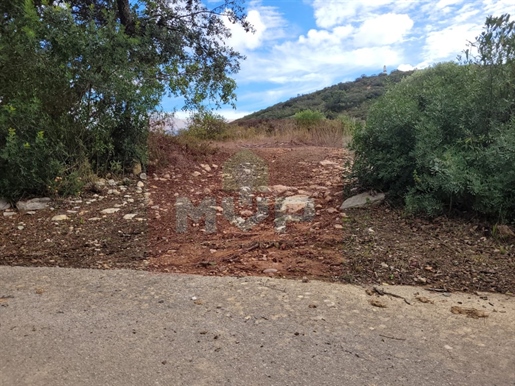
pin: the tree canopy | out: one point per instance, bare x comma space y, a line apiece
80, 79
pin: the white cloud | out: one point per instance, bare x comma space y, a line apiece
405, 67
329, 13
445, 3
316, 37
498, 7
449, 42
382, 30
268, 26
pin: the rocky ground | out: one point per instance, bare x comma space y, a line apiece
285, 223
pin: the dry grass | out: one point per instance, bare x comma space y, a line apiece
332, 133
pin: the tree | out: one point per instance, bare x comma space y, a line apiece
82, 77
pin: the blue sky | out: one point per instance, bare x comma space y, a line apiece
301, 46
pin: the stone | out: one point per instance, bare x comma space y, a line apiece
111, 182
140, 184
60, 217
331, 210
129, 216
504, 231
279, 189
326, 162
295, 204
143, 176
94, 219
110, 210
196, 174
9, 214
4, 204
136, 169
338, 226
362, 200
270, 270
34, 204
206, 167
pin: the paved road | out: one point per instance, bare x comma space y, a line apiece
86, 327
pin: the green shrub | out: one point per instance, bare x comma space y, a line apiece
307, 119
431, 142
206, 125
27, 168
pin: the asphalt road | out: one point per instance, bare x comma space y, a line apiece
89, 327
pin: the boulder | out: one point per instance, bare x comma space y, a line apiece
295, 204
4, 204
362, 200
280, 189
34, 204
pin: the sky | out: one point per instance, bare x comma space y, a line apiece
301, 46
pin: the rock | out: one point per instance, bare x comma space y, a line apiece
246, 213
21, 227
279, 189
504, 231
129, 216
196, 174
143, 176
338, 226
331, 210
4, 204
9, 214
270, 270
136, 169
110, 210
34, 204
94, 219
362, 200
140, 184
113, 191
207, 168
326, 162
60, 217
111, 182
295, 204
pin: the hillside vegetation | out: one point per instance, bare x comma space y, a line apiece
349, 98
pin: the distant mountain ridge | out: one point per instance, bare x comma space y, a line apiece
349, 98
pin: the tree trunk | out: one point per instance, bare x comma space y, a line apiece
124, 11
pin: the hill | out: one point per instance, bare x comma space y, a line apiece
350, 98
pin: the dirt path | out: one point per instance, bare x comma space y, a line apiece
144, 230
307, 248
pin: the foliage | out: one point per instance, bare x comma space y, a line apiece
445, 137
89, 74
206, 125
308, 119
349, 98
